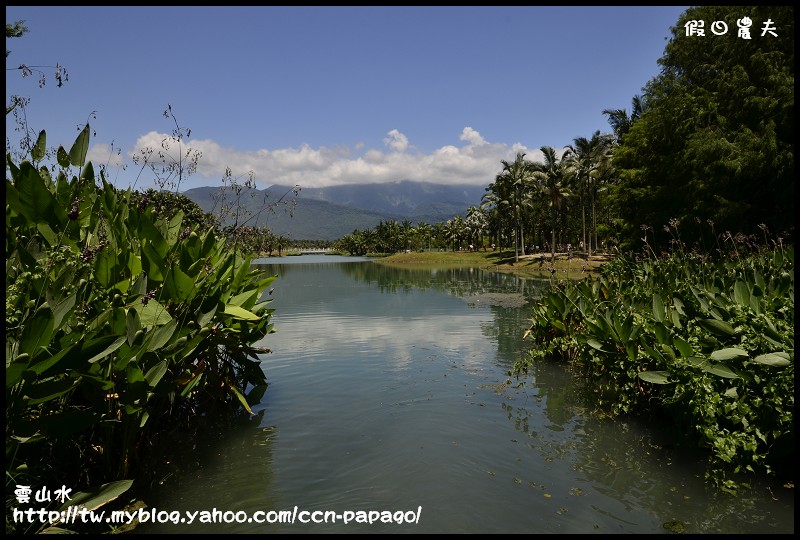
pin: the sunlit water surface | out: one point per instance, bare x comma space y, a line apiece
388, 391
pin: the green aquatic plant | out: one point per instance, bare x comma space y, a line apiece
119, 324
706, 341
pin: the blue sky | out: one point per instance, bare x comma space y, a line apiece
319, 96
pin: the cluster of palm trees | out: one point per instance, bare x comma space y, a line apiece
256, 240
395, 236
529, 197
526, 199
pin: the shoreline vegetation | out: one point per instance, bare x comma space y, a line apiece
536, 265
532, 265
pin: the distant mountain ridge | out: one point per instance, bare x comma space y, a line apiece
405, 198
333, 212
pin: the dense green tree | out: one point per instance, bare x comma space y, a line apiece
715, 144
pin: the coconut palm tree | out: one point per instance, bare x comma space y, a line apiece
424, 234
553, 181
583, 161
454, 231
620, 121
506, 194
477, 222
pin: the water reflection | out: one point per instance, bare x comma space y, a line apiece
389, 390
636, 466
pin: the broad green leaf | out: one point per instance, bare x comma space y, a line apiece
655, 377
117, 322
37, 152
87, 176
721, 370
668, 352
632, 348
558, 302
755, 301
116, 344
241, 313
243, 298
62, 157
777, 258
678, 303
720, 328
135, 265
37, 332
731, 393
651, 352
683, 346
178, 285
139, 286
759, 280
47, 390
731, 353
35, 200
205, 318
132, 324
153, 314
158, 337
43, 365
593, 343
94, 498
777, 359
662, 333
48, 234
153, 263
61, 309
741, 293
658, 308
104, 267
173, 228
155, 373
123, 286
15, 369
148, 231
696, 361
77, 154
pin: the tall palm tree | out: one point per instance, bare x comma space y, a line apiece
620, 121
454, 231
424, 233
477, 222
583, 160
603, 174
553, 181
506, 194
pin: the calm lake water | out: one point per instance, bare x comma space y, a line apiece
387, 392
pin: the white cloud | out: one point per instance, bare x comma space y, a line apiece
105, 154
472, 137
475, 162
396, 141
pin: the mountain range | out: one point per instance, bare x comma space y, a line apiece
333, 212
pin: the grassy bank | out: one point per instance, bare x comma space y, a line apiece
537, 265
